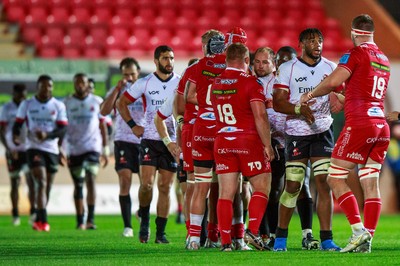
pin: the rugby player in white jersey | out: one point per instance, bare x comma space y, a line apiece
155, 89
126, 144
16, 155
86, 140
309, 135
46, 119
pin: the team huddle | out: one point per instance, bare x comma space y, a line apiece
248, 136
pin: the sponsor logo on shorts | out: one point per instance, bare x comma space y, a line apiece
236, 151
221, 166
296, 152
381, 139
345, 141
196, 153
205, 139
189, 144
355, 156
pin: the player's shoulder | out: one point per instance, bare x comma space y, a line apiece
328, 62
97, 98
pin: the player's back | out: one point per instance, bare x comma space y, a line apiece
207, 69
231, 95
367, 85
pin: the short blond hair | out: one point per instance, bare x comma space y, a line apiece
208, 34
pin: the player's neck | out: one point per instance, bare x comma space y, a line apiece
162, 76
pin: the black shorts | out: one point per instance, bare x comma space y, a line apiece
127, 156
154, 153
16, 165
79, 160
181, 174
38, 158
317, 145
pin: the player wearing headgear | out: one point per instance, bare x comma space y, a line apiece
365, 136
198, 92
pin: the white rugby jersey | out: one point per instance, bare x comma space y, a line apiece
276, 119
7, 119
83, 131
298, 77
42, 116
154, 92
122, 130
166, 109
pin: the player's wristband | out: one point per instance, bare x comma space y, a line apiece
179, 120
297, 109
131, 123
106, 150
166, 141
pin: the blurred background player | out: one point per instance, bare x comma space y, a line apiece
16, 155
126, 144
107, 118
155, 88
46, 120
86, 141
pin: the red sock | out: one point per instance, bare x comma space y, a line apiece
258, 204
195, 230
225, 213
238, 230
212, 234
180, 208
372, 211
187, 227
348, 203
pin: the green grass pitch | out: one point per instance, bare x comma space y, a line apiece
64, 245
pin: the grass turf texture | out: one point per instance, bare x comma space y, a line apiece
64, 245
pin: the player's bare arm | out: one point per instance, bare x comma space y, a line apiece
282, 105
334, 80
190, 93
122, 106
263, 129
172, 147
106, 148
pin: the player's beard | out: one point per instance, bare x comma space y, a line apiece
314, 57
164, 70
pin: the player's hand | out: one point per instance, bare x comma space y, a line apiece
306, 111
16, 140
269, 152
41, 135
104, 160
392, 116
175, 150
121, 84
62, 158
304, 98
336, 102
138, 131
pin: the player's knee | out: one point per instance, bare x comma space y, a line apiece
369, 171
289, 199
321, 167
295, 172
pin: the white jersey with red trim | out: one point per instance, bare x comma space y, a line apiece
136, 110
155, 92
276, 120
297, 77
166, 109
42, 116
83, 131
7, 119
